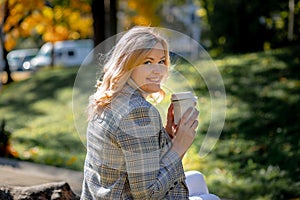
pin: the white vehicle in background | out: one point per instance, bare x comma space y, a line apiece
16, 58
66, 53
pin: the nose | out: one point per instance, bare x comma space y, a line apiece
158, 69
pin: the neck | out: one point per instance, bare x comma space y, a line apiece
133, 84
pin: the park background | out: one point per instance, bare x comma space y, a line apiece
255, 46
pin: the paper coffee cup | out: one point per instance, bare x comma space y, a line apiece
182, 101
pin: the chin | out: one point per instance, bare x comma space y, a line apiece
151, 88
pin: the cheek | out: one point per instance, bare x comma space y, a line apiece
165, 70
138, 75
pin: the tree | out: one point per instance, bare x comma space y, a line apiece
243, 26
98, 11
5, 14
29, 18
145, 12
291, 19
104, 19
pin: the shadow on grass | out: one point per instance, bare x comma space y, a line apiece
40, 86
265, 90
38, 112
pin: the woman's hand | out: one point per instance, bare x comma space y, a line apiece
185, 131
170, 127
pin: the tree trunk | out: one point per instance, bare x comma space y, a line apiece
111, 17
6, 66
291, 20
98, 11
105, 19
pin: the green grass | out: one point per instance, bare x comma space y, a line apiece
39, 115
256, 157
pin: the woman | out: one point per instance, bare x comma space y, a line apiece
130, 155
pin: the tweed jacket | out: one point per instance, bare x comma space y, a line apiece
128, 153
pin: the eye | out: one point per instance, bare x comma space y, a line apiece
163, 62
147, 62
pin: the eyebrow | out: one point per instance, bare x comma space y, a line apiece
150, 58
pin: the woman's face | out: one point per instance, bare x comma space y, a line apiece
150, 74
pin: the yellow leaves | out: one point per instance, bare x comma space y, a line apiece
79, 5
12, 2
27, 26
38, 4
12, 21
40, 29
132, 4
142, 12
56, 33
28, 17
141, 20
68, 25
16, 9
10, 42
74, 35
62, 32
86, 8
65, 23
266, 46
48, 13
23, 6
58, 13
80, 24
71, 161
74, 16
201, 12
15, 32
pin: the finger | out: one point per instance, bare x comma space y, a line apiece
172, 135
192, 118
195, 115
195, 124
171, 111
185, 116
171, 107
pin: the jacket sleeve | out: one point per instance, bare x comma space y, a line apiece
152, 168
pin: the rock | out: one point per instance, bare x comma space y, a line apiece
51, 191
5, 195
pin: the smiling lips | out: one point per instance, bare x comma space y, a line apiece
156, 80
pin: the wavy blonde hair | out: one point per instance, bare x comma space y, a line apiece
127, 54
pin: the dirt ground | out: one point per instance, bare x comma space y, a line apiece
21, 173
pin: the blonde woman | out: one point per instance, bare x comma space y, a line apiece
130, 154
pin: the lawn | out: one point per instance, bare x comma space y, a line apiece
256, 157
38, 113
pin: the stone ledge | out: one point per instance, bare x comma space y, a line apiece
53, 191
16, 173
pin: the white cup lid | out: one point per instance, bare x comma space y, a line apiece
182, 95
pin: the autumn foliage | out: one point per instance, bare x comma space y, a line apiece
142, 12
52, 22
